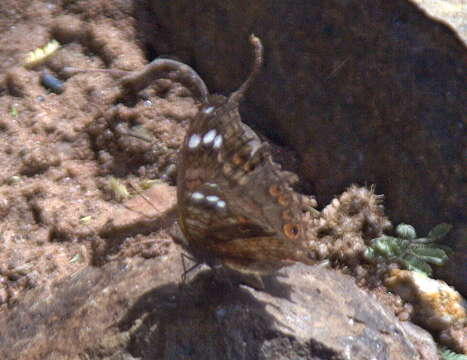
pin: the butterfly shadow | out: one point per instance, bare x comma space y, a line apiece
203, 317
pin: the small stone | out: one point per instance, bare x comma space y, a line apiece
4, 206
3, 295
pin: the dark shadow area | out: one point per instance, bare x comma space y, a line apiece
202, 319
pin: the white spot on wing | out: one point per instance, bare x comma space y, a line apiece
217, 142
208, 110
194, 141
197, 196
212, 198
209, 137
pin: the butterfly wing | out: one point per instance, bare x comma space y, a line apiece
203, 189
233, 199
235, 204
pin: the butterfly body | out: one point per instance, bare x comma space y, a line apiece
236, 206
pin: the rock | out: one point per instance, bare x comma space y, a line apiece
135, 309
437, 306
451, 12
366, 92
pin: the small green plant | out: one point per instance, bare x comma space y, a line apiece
446, 354
411, 252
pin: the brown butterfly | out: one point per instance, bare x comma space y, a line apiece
236, 206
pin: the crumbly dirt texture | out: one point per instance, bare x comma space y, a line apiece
58, 153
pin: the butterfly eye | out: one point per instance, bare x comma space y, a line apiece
291, 230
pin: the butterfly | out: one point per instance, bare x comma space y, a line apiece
236, 207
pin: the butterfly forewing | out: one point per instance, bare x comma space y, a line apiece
214, 141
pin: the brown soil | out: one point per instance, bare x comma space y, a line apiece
58, 152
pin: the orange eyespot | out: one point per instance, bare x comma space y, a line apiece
248, 167
292, 231
283, 200
274, 190
237, 160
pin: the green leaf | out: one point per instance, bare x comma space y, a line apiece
439, 231
431, 255
448, 250
413, 263
369, 254
385, 245
429, 251
406, 231
397, 246
404, 244
425, 240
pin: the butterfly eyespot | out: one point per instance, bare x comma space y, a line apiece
237, 160
292, 231
248, 167
283, 200
274, 190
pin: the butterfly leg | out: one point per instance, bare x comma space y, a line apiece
187, 270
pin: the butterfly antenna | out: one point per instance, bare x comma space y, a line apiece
258, 62
135, 81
